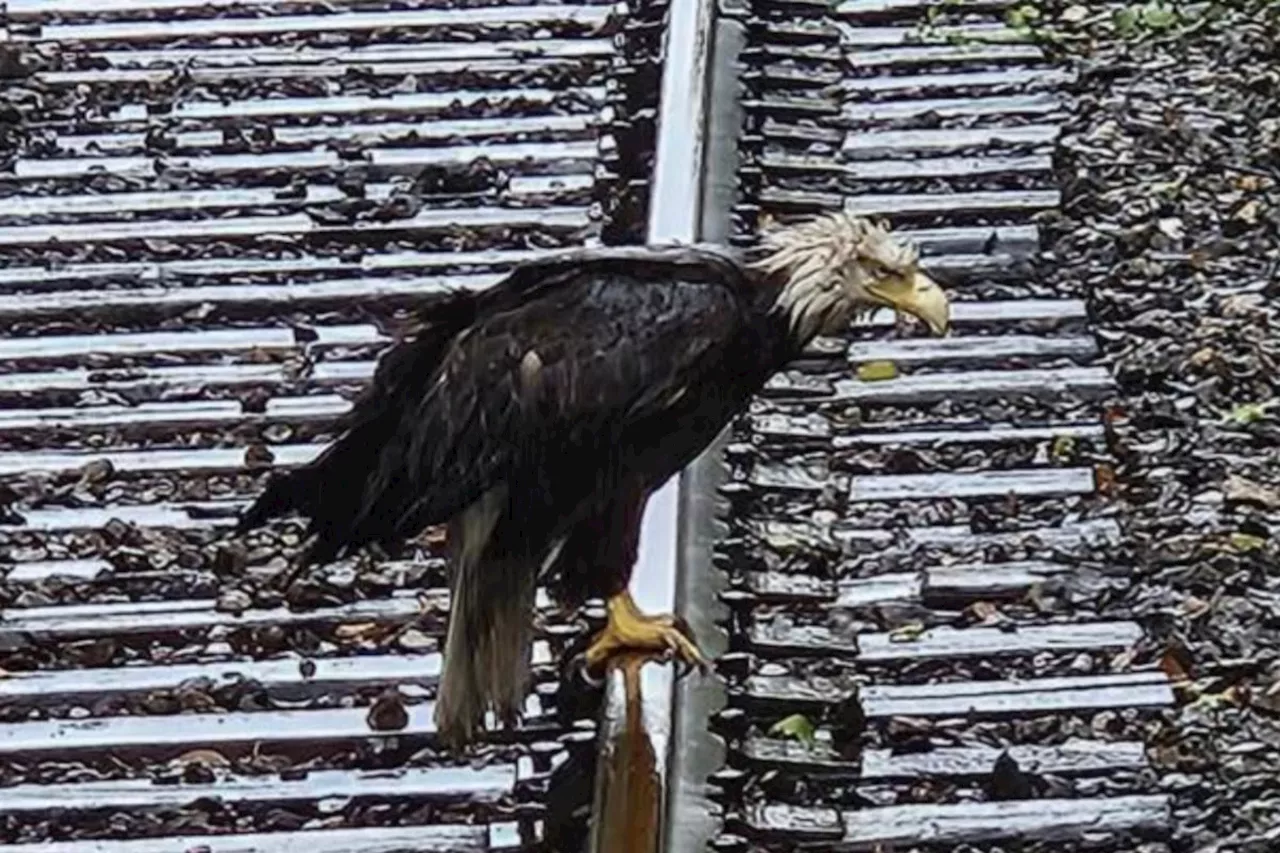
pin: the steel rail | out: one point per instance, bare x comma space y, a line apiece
655, 751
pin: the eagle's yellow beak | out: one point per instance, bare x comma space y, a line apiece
917, 295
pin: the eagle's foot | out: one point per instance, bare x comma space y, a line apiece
628, 629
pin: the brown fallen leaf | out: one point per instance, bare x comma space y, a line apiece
258, 455
983, 613
1104, 478
208, 757
388, 714
1248, 212
1204, 357
360, 632
1237, 489
97, 471
1194, 608
1250, 183
1176, 663
1268, 700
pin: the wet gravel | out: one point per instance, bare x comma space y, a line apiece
1171, 227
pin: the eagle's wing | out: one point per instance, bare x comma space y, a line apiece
558, 363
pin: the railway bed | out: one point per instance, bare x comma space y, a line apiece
216, 215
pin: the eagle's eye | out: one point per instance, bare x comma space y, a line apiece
876, 269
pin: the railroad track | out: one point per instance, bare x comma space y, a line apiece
214, 215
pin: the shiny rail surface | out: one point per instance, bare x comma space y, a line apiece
653, 754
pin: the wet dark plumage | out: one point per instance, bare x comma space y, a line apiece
535, 418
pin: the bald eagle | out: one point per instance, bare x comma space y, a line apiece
536, 418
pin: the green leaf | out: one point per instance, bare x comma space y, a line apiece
1248, 413
1126, 20
1246, 542
877, 371
1022, 17
797, 726
1064, 448
1157, 16
908, 633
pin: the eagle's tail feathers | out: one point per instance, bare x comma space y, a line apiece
488, 647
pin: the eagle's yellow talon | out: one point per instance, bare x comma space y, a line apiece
628, 629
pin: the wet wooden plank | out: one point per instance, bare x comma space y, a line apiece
346, 105
913, 351
994, 581
941, 586
283, 678
998, 310
959, 823
445, 838
157, 416
979, 54
953, 204
66, 621
877, 9
285, 270
975, 385
1011, 698
891, 169
244, 58
846, 593
156, 735
1024, 482
431, 784
976, 433
992, 107
220, 460
372, 134
254, 227
351, 22
874, 145
782, 637
1074, 757
775, 425
983, 698
223, 341
857, 539
945, 641
987, 82
900, 207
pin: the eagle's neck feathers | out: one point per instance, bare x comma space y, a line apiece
817, 269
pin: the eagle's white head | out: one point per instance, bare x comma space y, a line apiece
839, 266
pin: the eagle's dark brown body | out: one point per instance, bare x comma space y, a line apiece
536, 418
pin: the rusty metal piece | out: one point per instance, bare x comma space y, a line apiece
631, 778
